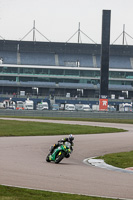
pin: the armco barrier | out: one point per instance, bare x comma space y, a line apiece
72, 114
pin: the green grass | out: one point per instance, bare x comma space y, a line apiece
121, 160
21, 128
106, 120
13, 193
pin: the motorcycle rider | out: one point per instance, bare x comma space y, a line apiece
62, 141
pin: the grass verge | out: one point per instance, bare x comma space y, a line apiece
121, 160
20, 128
106, 120
13, 193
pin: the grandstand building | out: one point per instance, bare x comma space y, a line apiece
61, 68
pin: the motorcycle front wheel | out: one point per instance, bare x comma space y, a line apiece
47, 158
59, 157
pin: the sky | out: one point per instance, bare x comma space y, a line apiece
58, 20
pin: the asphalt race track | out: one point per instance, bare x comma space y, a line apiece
22, 163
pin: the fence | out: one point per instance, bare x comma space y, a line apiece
61, 114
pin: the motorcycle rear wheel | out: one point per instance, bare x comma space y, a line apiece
59, 157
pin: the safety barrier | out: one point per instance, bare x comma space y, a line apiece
72, 114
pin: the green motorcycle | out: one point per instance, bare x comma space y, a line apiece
62, 151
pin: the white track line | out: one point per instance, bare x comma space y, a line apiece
100, 163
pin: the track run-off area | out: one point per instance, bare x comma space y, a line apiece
22, 162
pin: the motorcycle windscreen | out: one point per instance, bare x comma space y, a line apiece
68, 144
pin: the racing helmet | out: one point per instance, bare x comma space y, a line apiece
70, 138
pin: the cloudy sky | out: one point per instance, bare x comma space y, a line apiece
58, 20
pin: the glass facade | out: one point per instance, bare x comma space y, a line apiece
48, 71
61, 80
8, 70
66, 75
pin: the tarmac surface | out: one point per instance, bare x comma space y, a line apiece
22, 163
